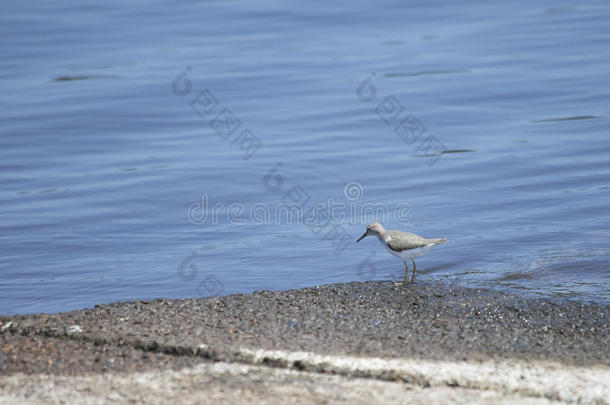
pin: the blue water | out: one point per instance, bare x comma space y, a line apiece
119, 182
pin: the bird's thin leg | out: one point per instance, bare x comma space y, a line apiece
413, 276
406, 272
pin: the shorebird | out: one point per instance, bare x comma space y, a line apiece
401, 244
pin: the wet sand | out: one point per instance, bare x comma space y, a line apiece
408, 329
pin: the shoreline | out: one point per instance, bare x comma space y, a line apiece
372, 330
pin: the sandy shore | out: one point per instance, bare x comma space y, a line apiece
356, 342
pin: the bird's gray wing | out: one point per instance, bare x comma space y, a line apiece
399, 240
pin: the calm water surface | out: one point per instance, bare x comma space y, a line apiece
113, 187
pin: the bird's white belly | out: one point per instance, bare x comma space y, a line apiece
411, 253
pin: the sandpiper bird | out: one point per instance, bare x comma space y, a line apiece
402, 244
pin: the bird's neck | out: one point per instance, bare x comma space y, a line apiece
380, 237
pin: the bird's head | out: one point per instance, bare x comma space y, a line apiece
373, 229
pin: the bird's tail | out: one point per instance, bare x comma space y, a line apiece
440, 241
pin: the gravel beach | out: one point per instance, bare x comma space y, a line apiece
413, 337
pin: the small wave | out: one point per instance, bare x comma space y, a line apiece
424, 73
576, 117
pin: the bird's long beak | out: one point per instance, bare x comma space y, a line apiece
360, 238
